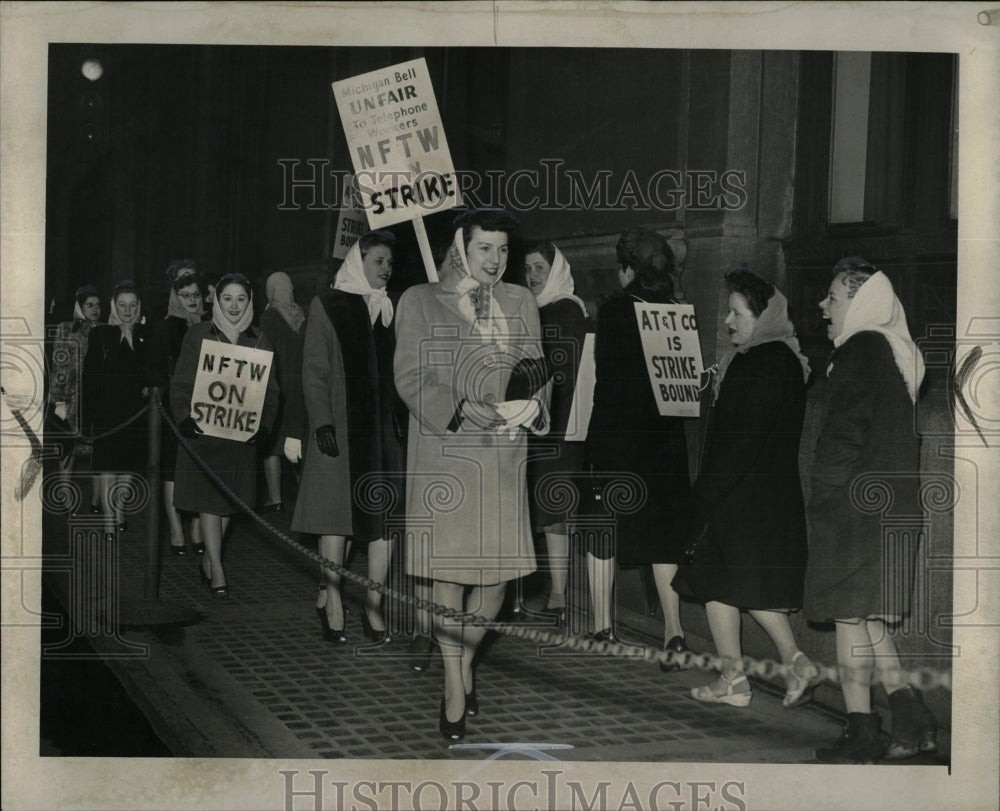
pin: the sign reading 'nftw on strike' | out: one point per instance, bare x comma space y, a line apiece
397, 143
669, 335
229, 389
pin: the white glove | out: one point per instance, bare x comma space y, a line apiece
517, 413
293, 450
61, 409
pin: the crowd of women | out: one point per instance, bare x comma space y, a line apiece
450, 406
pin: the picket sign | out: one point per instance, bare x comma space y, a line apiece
229, 389
583, 394
398, 148
669, 334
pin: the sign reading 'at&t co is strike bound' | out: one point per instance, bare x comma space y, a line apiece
397, 143
669, 335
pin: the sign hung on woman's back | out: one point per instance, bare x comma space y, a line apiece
670, 343
229, 389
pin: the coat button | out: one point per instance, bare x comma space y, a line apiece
490, 360
490, 399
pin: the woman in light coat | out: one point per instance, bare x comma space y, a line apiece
459, 345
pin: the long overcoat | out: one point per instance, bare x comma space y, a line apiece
468, 519
347, 383
234, 462
865, 483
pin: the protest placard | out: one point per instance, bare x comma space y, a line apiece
669, 335
583, 394
351, 222
397, 143
229, 389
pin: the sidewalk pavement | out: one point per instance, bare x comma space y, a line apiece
253, 678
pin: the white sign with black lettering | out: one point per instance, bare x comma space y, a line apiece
397, 143
351, 223
669, 335
229, 389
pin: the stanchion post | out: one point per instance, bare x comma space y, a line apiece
152, 581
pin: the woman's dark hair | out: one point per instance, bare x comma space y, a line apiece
85, 292
124, 286
755, 290
234, 278
373, 239
546, 249
488, 219
188, 279
177, 265
857, 271
649, 255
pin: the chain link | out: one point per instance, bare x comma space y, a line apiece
923, 677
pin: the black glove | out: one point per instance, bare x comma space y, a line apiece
260, 437
189, 428
326, 439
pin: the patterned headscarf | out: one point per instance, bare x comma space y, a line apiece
773, 325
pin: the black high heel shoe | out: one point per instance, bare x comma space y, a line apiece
451, 730
375, 637
216, 591
330, 634
471, 704
677, 645
179, 551
198, 548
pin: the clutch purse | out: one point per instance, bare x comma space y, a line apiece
702, 551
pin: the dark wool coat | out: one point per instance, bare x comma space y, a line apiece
466, 498
287, 345
865, 477
69, 350
553, 463
628, 434
347, 383
234, 462
165, 341
748, 492
114, 376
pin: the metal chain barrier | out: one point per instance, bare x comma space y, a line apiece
923, 678
90, 440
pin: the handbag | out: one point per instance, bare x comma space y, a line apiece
702, 551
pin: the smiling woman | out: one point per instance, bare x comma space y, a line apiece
354, 440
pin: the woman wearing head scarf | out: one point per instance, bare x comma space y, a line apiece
458, 344
232, 461
751, 527
859, 576
184, 308
553, 463
282, 323
114, 377
628, 434
354, 454
68, 353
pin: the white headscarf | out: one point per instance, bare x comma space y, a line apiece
78, 312
560, 284
281, 296
224, 325
351, 279
875, 308
115, 319
475, 298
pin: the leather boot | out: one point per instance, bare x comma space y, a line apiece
913, 727
860, 742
